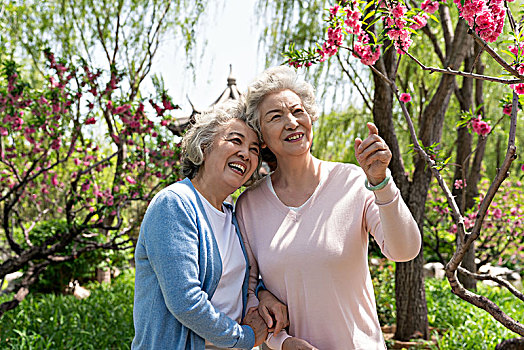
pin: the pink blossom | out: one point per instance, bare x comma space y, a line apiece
130, 180
421, 21
507, 109
522, 167
55, 144
91, 120
85, 186
497, 213
77, 161
429, 6
54, 180
519, 89
479, 126
333, 11
404, 97
399, 10
459, 184
122, 109
3, 131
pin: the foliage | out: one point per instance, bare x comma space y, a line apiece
124, 31
456, 323
501, 240
81, 155
56, 278
48, 321
462, 325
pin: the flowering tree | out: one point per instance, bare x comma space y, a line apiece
380, 34
76, 152
82, 149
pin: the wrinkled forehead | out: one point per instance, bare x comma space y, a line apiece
239, 128
279, 99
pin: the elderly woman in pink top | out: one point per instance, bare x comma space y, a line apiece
306, 225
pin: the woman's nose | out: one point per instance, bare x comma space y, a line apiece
291, 121
243, 153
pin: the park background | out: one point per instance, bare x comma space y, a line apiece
83, 153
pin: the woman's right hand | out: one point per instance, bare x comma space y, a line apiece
273, 311
293, 343
253, 320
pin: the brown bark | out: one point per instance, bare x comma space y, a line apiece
511, 344
464, 142
412, 319
409, 297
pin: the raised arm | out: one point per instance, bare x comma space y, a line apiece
387, 216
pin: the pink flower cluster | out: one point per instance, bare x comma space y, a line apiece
507, 108
396, 20
459, 184
404, 97
519, 88
486, 17
479, 126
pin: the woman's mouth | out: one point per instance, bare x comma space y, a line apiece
237, 167
294, 137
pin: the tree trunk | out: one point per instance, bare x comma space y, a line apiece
410, 295
464, 141
410, 283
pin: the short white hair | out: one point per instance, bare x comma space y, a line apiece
200, 136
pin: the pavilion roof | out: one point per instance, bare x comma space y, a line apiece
230, 93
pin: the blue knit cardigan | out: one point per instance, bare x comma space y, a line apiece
178, 267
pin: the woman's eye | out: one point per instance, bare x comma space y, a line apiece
255, 150
236, 140
298, 111
275, 117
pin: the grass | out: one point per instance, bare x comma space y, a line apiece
460, 325
104, 320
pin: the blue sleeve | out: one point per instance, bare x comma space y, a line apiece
260, 286
172, 244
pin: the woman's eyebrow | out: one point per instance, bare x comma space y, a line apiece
273, 110
236, 133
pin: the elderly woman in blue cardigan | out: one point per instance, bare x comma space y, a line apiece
191, 266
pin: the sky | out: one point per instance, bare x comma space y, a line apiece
232, 39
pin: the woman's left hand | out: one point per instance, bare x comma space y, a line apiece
272, 311
373, 155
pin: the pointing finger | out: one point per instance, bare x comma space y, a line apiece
372, 128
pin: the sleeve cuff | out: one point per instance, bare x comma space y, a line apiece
275, 341
387, 194
260, 286
247, 340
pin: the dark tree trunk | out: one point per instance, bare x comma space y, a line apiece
511, 344
410, 296
464, 141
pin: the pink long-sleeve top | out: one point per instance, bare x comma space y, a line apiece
314, 259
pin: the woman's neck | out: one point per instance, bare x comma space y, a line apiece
296, 178
214, 195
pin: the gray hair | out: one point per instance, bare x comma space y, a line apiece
200, 136
273, 80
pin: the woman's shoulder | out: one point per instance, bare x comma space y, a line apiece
253, 191
346, 169
180, 192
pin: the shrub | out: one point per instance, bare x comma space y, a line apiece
49, 321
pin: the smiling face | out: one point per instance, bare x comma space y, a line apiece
286, 126
232, 158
